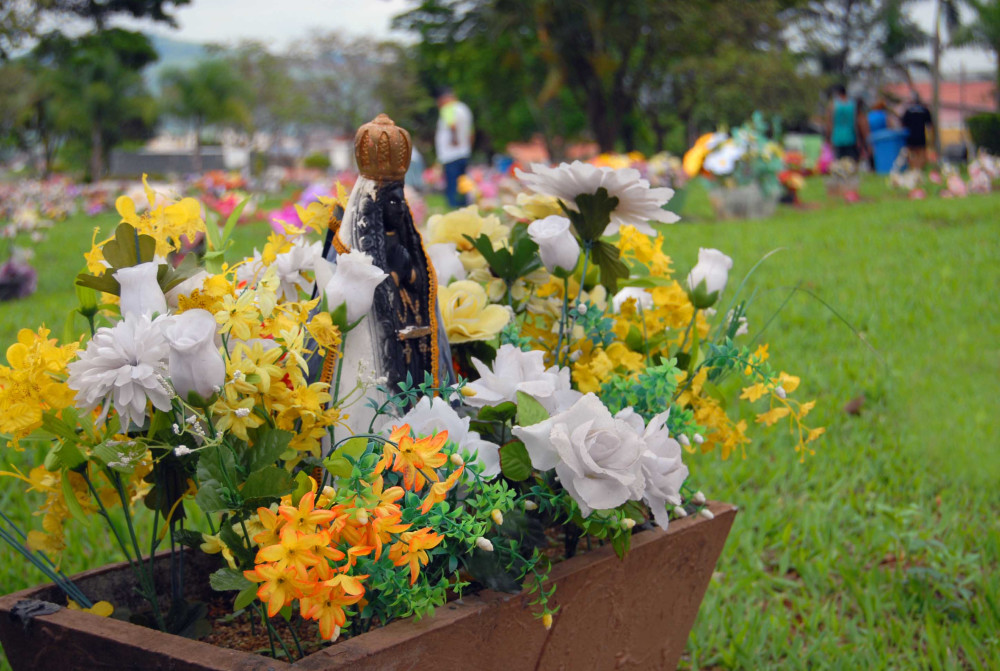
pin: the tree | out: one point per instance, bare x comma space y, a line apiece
471, 48
848, 37
211, 92
92, 88
901, 35
19, 19
984, 31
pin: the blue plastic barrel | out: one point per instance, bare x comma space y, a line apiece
886, 144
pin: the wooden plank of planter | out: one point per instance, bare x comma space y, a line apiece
635, 613
615, 614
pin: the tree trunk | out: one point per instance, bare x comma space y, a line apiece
197, 147
96, 152
936, 78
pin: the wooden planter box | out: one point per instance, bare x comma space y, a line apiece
635, 613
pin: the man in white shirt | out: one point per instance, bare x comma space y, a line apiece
453, 142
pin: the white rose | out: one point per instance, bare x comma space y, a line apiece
662, 469
429, 417
354, 280
446, 261
597, 457
513, 371
140, 292
195, 363
709, 276
643, 299
556, 244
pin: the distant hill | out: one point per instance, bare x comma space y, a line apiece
173, 53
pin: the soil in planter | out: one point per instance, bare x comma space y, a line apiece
245, 632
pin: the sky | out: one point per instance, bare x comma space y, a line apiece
277, 22
281, 22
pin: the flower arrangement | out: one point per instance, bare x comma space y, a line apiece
744, 156
200, 409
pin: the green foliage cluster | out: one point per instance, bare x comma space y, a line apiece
985, 131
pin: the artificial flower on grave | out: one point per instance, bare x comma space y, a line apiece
590, 377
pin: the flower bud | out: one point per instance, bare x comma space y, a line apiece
497, 517
530, 505
707, 514
182, 450
468, 392
680, 512
484, 544
780, 392
456, 459
708, 278
557, 246
139, 290
362, 516
684, 440
581, 308
628, 523
698, 438
547, 620
575, 356
699, 498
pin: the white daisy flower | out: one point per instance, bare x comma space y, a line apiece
125, 364
638, 204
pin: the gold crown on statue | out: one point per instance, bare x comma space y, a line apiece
382, 149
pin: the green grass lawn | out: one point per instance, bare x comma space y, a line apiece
879, 552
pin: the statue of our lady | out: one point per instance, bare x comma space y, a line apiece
402, 335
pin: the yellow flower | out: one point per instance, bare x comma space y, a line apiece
235, 414
33, 382
468, 314
102, 608
320, 215
323, 331
276, 244
238, 316
772, 416
166, 224
213, 545
533, 206
455, 225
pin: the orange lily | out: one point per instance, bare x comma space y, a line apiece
440, 489
412, 549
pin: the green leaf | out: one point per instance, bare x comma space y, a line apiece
514, 461
229, 579
216, 464
245, 597
529, 410
68, 455
212, 233
594, 214
267, 447
235, 542
267, 483
606, 257
302, 487
498, 413
87, 298
72, 503
210, 497
231, 220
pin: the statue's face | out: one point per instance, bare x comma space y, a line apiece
393, 209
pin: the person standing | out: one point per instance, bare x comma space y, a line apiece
845, 124
453, 142
915, 120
